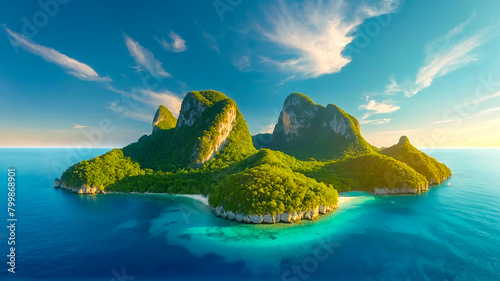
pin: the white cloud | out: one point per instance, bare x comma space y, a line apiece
481, 99
375, 121
379, 107
155, 99
445, 56
176, 44
444, 121
78, 69
77, 126
151, 99
211, 41
316, 34
394, 87
269, 129
125, 112
289, 78
486, 111
145, 59
242, 63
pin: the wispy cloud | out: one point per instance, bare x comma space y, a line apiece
130, 114
77, 126
316, 34
481, 99
289, 78
268, 129
446, 55
375, 107
486, 111
176, 44
393, 87
444, 121
375, 121
149, 101
211, 41
155, 99
78, 69
461, 107
242, 63
145, 59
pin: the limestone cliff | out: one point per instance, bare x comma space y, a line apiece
306, 129
83, 189
285, 217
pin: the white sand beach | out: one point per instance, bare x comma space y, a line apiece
345, 199
203, 199
198, 197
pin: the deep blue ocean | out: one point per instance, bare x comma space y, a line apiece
450, 233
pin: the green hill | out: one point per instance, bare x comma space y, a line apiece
405, 152
209, 125
163, 119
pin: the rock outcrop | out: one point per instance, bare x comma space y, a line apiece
80, 190
286, 217
400, 190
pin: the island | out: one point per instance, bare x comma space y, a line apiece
295, 173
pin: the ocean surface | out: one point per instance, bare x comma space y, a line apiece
450, 233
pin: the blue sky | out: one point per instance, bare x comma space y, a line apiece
92, 73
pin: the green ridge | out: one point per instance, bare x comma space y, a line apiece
405, 152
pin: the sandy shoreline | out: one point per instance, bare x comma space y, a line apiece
203, 199
198, 197
345, 199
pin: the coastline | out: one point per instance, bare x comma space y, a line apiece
198, 197
203, 199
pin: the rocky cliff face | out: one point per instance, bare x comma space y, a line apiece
286, 217
80, 190
306, 129
191, 109
400, 190
219, 140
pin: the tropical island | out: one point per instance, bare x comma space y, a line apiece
295, 173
